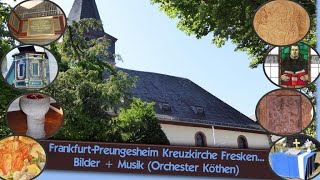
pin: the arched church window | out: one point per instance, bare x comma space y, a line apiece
200, 139
242, 142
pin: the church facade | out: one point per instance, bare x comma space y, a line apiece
188, 114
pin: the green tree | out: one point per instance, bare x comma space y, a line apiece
311, 93
6, 41
6, 93
227, 20
88, 98
138, 124
232, 20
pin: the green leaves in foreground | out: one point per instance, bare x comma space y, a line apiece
138, 124
92, 92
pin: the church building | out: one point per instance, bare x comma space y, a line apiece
189, 115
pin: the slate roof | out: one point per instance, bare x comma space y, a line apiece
84, 9
181, 94
87, 9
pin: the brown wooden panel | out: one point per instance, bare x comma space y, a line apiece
14, 23
284, 112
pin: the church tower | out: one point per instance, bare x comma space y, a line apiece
88, 9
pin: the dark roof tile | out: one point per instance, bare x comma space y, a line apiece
87, 9
84, 9
181, 94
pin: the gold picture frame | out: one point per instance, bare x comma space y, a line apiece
41, 26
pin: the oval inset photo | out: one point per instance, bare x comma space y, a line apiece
281, 23
294, 66
284, 112
21, 158
38, 22
295, 157
34, 114
29, 67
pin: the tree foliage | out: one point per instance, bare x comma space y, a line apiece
231, 20
89, 89
138, 124
227, 20
6, 93
312, 95
6, 41
92, 92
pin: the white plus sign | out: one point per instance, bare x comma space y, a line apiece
109, 164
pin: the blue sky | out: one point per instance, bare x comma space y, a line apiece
149, 41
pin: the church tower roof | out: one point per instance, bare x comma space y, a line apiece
88, 9
84, 9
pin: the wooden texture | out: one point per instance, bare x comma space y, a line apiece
283, 108
281, 22
284, 112
17, 122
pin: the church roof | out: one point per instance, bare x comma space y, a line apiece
84, 9
87, 9
187, 102
178, 99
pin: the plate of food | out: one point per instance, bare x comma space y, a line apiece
21, 158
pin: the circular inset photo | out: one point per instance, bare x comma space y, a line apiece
295, 157
281, 23
284, 112
38, 22
29, 67
294, 66
34, 114
21, 158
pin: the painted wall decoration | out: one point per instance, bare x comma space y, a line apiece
281, 23
29, 67
39, 23
284, 112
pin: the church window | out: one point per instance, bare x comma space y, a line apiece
242, 142
315, 65
271, 65
200, 139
